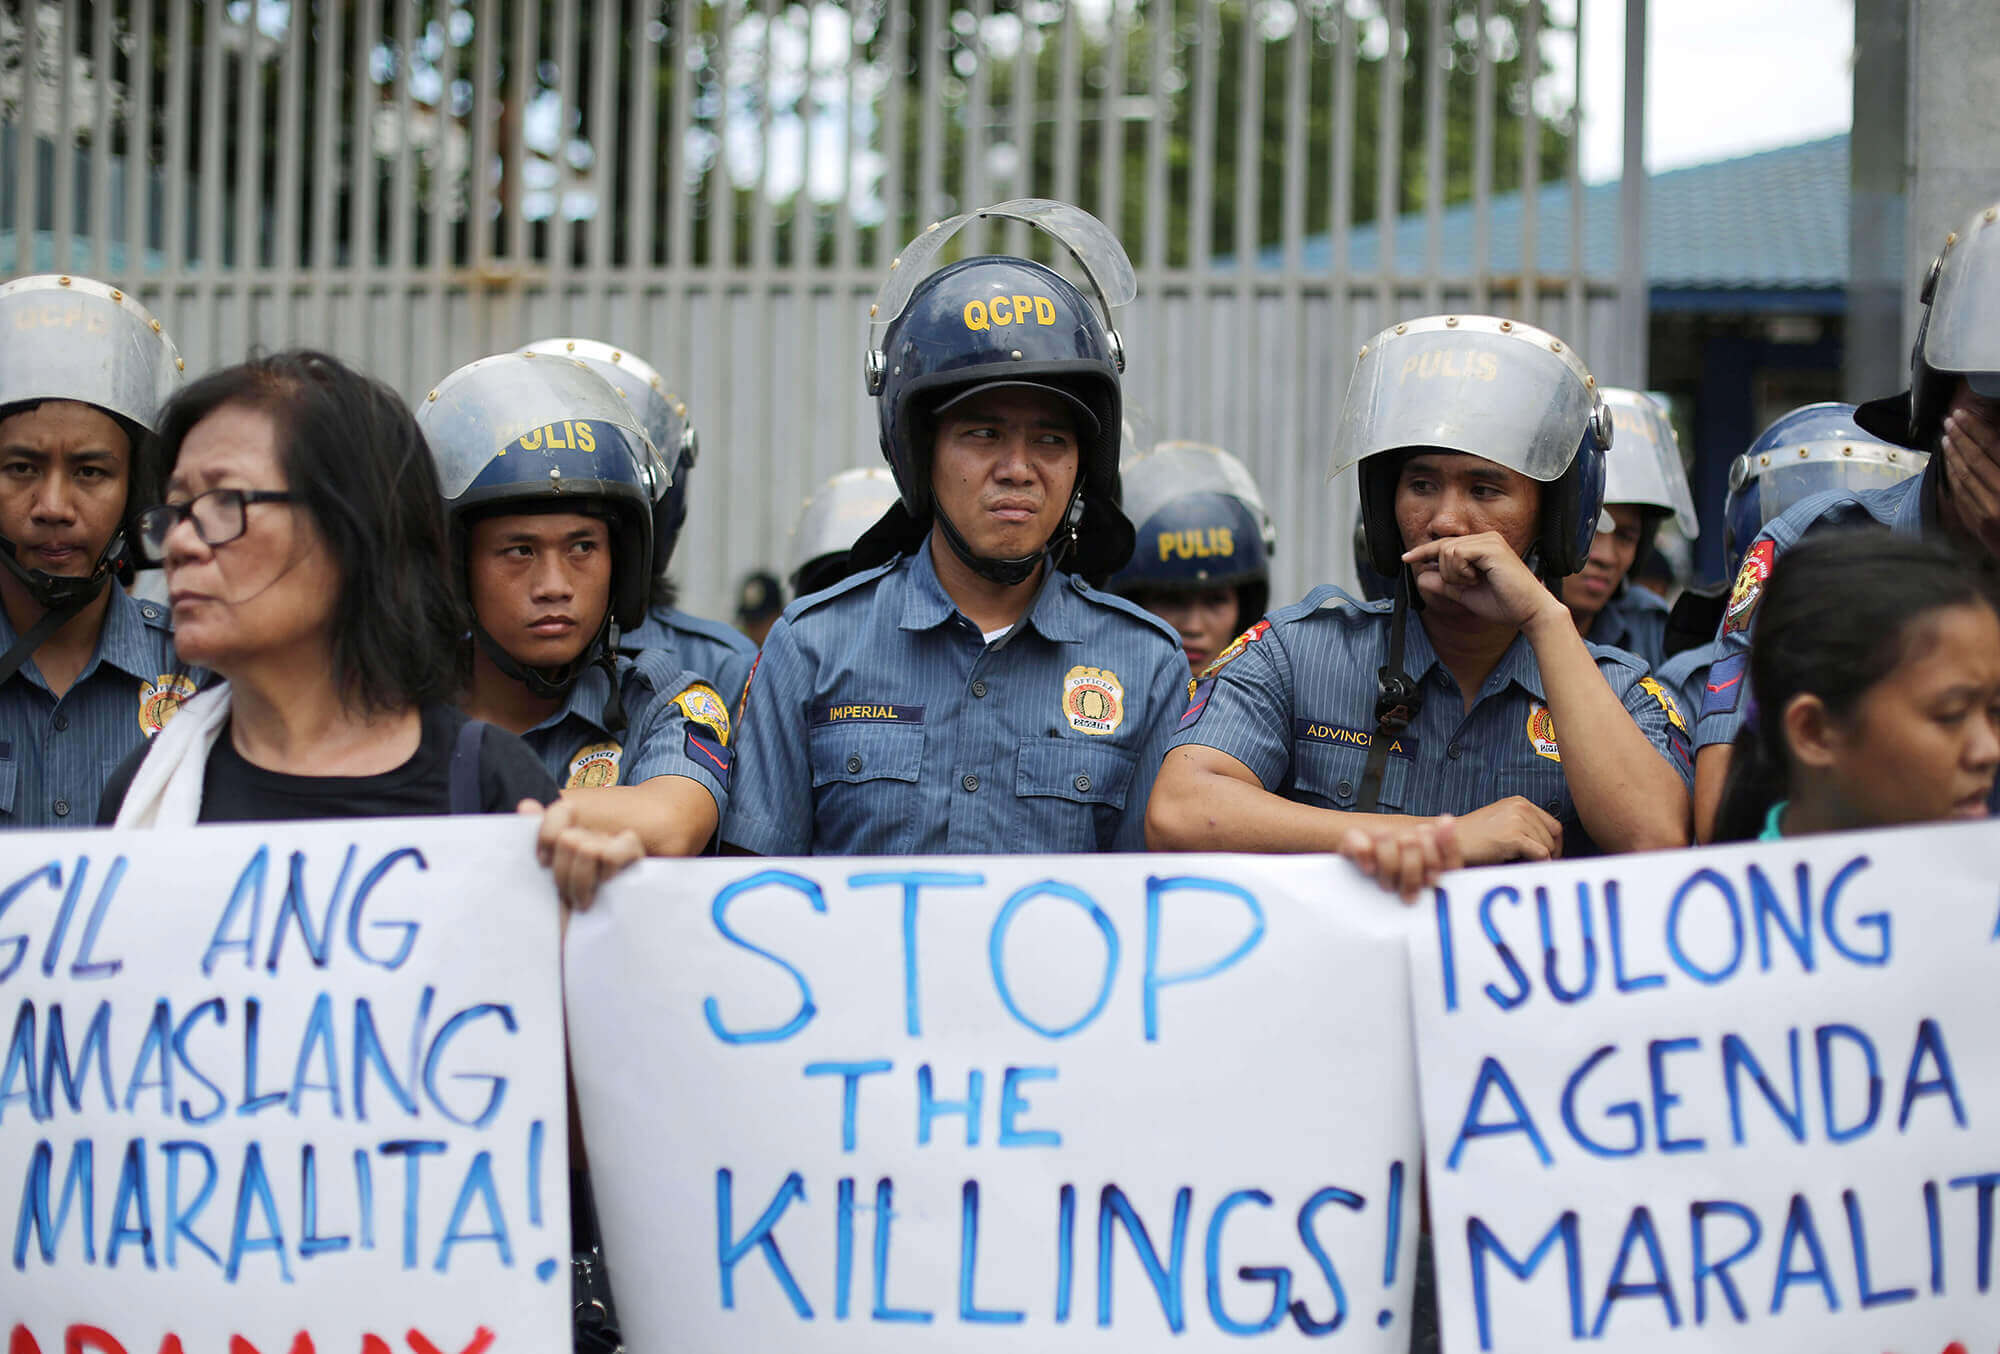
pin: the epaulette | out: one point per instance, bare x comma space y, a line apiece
727, 635
1113, 602
1329, 601
1604, 653
812, 601
659, 671
155, 616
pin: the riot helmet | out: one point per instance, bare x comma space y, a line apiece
1200, 523
1498, 389
1814, 449
1958, 337
522, 433
831, 521
1646, 471
74, 338
993, 321
662, 415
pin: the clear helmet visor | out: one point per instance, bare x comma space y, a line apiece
662, 415
485, 406
834, 517
1488, 387
72, 338
1175, 470
1789, 476
1645, 468
1086, 239
1963, 331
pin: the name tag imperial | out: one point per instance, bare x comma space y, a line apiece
876, 714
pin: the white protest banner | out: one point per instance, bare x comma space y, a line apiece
282, 1089
1742, 1099
1070, 1102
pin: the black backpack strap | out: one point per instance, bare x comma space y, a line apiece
465, 767
1398, 698
24, 648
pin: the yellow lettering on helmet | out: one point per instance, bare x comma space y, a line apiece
1045, 310
1022, 306
531, 441
1166, 544
585, 441
975, 315
1225, 542
994, 307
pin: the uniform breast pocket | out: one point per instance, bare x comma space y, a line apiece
865, 778
1329, 776
1543, 786
1071, 794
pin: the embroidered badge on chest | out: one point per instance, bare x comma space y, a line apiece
594, 767
1542, 733
161, 700
1092, 700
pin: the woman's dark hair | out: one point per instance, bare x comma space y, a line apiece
1842, 610
353, 454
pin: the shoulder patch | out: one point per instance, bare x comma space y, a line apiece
708, 754
1236, 648
743, 701
161, 699
1749, 589
1723, 691
1198, 689
703, 705
1652, 687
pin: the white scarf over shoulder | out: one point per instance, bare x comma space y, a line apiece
166, 791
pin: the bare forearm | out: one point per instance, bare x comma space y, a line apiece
1626, 795
1711, 771
672, 815
1194, 809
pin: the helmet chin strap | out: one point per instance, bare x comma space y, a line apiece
555, 683
60, 596
1009, 572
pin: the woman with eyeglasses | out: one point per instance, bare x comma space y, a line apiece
305, 562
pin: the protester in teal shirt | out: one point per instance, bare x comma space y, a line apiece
1874, 692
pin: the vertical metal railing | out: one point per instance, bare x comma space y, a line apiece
718, 185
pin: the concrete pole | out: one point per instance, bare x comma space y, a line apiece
1954, 132
1633, 308
1877, 360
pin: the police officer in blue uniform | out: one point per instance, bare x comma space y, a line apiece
719, 653
1480, 445
88, 672
1202, 561
1952, 412
1810, 451
545, 482
1644, 485
967, 691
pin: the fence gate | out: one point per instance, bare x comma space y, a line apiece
719, 185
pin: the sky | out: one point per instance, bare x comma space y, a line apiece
1723, 78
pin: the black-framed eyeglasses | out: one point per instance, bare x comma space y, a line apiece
219, 517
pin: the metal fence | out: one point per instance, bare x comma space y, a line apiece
718, 185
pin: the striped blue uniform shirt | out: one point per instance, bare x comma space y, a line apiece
879, 722
676, 724
1293, 699
55, 755
1908, 509
720, 654
1635, 620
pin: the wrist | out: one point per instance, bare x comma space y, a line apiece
1550, 619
